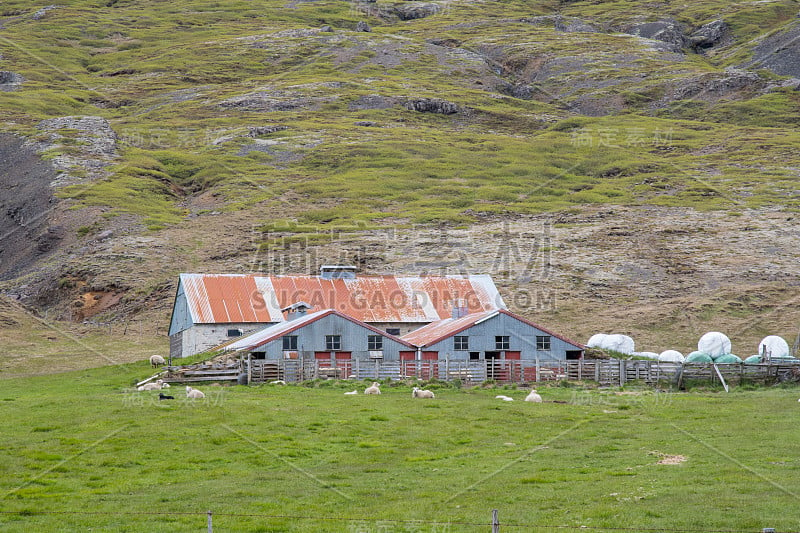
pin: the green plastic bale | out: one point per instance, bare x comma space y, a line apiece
753, 360
698, 357
727, 359
786, 357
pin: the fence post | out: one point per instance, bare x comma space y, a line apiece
210, 526
495, 521
249, 368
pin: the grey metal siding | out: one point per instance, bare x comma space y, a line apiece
311, 338
522, 338
181, 317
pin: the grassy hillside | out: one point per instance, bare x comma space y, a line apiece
181, 82
86, 452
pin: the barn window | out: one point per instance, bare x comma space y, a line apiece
333, 342
374, 342
393, 331
543, 343
501, 342
461, 342
235, 333
289, 342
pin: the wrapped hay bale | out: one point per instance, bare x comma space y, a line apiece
714, 344
699, 357
649, 355
727, 359
753, 360
671, 356
775, 347
596, 340
619, 343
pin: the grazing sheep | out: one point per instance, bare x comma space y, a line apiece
419, 393
374, 389
277, 382
194, 393
351, 393
151, 386
504, 398
162, 396
157, 360
165, 385
533, 397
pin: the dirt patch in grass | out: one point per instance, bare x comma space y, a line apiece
666, 459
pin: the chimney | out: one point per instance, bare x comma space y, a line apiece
338, 271
296, 310
459, 309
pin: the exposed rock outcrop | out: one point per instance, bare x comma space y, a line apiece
10, 81
363, 26
712, 34
94, 136
712, 87
669, 31
413, 10
779, 53
42, 12
432, 105
255, 131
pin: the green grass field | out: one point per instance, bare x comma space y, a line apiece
81, 451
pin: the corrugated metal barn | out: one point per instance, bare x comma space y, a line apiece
212, 309
498, 334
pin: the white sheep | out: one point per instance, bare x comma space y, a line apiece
533, 396
419, 393
351, 393
151, 386
374, 389
157, 360
504, 398
277, 382
164, 385
194, 393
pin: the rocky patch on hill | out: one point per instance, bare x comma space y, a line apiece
10, 81
26, 203
779, 52
92, 143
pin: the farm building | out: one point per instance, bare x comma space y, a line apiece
495, 334
212, 309
326, 335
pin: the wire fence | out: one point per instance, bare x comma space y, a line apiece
494, 524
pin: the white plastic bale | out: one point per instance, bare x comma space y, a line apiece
649, 355
714, 344
775, 346
619, 343
671, 356
596, 341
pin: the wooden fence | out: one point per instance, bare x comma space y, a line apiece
608, 372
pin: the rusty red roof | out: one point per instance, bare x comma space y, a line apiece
271, 333
438, 331
219, 298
